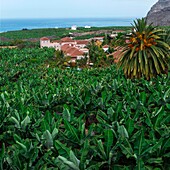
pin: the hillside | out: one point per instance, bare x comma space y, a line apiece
159, 14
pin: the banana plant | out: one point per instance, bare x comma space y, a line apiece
64, 163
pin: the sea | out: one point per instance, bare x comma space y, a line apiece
19, 24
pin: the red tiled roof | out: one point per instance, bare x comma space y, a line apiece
44, 38
67, 39
117, 54
71, 51
65, 47
105, 46
76, 53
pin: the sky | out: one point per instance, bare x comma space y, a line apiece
74, 8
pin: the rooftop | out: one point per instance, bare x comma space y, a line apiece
105, 46
71, 51
67, 39
44, 38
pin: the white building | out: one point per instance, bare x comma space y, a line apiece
45, 42
74, 27
105, 48
87, 26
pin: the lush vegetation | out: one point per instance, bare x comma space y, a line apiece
52, 32
88, 36
36, 33
125, 28
146, 53
89, 120
20, 44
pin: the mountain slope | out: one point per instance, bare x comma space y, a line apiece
159, 14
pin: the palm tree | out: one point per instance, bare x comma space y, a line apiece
145, 53
119, 39
82, 63
96, 54
61, 59
166, 37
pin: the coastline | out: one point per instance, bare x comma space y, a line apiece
19, 24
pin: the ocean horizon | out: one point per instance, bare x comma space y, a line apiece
37, 23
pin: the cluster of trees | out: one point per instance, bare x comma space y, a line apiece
119, 40
146, 51
98, 56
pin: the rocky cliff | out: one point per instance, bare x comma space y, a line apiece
159, 14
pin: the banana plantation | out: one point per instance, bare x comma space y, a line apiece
90, 119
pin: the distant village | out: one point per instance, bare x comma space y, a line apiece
76, 49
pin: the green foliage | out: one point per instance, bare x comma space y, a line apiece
52, 32
20, 43
89, 119
96, 55
88, 36
60, 59
166, 37
82, 63
119, 40
35, 33
107, 40
146, 54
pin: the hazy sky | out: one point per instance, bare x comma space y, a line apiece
74, 8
